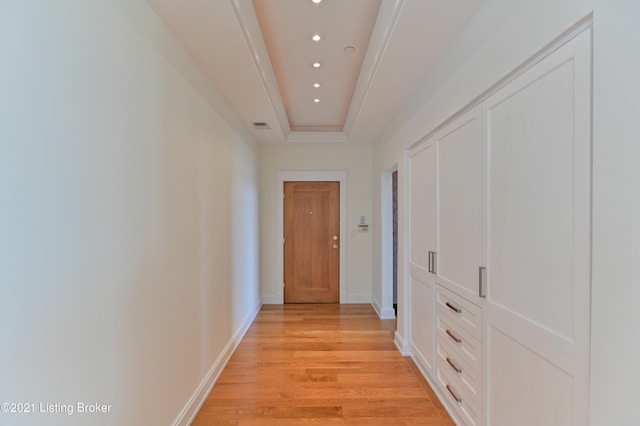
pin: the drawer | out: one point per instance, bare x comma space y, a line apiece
466, 347
466, 408
469, 378
462, 312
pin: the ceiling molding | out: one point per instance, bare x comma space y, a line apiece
314, 137
385, 24
246, 16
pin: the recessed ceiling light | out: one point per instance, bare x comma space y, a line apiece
316, 64
317, 1
316, 85
316, 100
316, 37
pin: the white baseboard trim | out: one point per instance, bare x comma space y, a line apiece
383, 314
376, 307
346, 298
198, 397
387, 313
436, 389
401, 344
358, 298
271, 299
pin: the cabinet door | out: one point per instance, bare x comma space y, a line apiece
422, 205
459, 252
422, 238
536, 338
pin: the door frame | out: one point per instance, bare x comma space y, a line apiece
311, 176
386, 301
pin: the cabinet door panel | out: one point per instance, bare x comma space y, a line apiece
460, 206
422, 204
422, 322
422, 239
538, 235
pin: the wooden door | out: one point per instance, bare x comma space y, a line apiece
312, 242
536, 337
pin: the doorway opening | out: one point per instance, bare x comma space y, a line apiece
394, 208
389, 243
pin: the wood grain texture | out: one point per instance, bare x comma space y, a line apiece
320, 364
311, 254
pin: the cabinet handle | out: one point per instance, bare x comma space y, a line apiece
453, 365
453, 308
482, 281
433, 266
453, 393
432, 262
454, 336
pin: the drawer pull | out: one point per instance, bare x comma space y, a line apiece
453, 365
454, 336
453, 393
453, 307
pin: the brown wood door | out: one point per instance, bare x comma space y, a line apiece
311, 242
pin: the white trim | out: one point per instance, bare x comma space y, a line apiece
401, 344
270, 299
246, 16
357, 298
386, 239
375, 304
201, 393
437, 390
387, 314
312, 176
383, 314
382, 32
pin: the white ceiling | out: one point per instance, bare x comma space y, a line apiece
259, 55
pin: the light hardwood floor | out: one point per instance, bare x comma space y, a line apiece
320, 364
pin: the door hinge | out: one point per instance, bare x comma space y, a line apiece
482, 281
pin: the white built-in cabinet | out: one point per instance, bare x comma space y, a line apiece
422, 241
499, 249
445, 218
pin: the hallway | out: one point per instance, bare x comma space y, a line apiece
320, 364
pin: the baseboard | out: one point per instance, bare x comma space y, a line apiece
401, 344
271, 299
190, 410
387, 313
358, 298
376, 307
436, 390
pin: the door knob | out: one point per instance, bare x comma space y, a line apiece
335, 246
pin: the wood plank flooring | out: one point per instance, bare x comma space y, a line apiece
320, 364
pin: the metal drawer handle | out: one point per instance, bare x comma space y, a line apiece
454, 336
453, 307
453, 365
454, 394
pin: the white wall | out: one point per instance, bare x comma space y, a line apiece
356, 161
128, 215
504, 35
